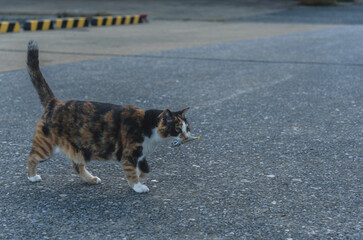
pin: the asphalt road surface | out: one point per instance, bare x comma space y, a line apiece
280, 156
280, 119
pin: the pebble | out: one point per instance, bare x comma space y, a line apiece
137, 202
296, 180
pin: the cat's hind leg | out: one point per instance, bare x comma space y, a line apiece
42, 148
81, 170
79, 159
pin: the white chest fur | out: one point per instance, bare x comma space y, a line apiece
150, 143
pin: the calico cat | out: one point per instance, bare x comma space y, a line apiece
86, 130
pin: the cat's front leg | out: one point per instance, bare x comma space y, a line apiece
132, 176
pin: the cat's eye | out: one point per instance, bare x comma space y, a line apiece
178, 130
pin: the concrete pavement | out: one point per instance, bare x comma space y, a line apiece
280, 155
176, 24
64, 46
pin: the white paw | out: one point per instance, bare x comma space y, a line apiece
140, 188
98, 180
35, 178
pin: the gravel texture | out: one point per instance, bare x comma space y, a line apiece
280, 156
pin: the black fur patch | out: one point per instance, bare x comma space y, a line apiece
45, 130
50, 109
173, 131
133, 161
107, 152
119, 154
150, 121
137, 152
144, 166
86, 154
75, 167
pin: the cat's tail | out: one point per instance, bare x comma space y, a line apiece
44, 91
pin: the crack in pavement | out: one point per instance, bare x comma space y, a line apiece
196, 58
255, 61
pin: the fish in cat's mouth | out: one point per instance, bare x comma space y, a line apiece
179, 141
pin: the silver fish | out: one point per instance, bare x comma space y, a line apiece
177, 142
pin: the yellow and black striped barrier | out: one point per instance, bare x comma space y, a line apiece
118, 20
36, 25
79, 22
9, 27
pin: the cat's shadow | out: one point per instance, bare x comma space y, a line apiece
96, 201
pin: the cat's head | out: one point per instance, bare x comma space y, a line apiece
174, 125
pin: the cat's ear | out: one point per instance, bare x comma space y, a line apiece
167, 116
183, 112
